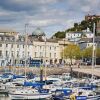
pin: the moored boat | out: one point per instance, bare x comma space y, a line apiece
29, 93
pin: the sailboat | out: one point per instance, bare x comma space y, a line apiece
29, 93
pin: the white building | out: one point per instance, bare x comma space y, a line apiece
49, 51
13, 50
73, 35
88, 33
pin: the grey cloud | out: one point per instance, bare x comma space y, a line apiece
15, 6
24, 5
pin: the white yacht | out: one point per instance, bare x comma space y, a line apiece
29, 93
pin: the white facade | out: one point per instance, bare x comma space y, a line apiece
88, 33
90, 45
46, 50
73, 35
11, 50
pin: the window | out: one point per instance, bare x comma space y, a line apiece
0, 38
17, 53
50, 55
6, 53
12, 54
40, 47
0, 45
17, 46
6, 45
28, 46
50, 47
88, 44
78, 34
0, 53
55, 48
23, 54
54, 55
28, 54
11, 45
8, 38
23, 46
35, 54
40, 54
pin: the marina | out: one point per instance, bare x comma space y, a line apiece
56, 84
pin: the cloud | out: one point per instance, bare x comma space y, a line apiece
45, 22
51, 15
86, 9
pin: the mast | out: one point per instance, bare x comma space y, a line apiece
25, 48
45, 63
14, 62
93, 50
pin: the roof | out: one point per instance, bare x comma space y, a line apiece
97, 39
6, 30
38, 32
40, 39
74, 32
86, 40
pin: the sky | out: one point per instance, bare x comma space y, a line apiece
50, 15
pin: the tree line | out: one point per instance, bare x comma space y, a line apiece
73, 51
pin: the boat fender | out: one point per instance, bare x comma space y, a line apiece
72, 97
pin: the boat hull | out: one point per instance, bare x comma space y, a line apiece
30, 96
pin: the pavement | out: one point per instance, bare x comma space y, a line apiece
88, 70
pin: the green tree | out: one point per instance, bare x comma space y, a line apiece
72, 52
84, 24
76, 26
87, 53
98, 52
59, 34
